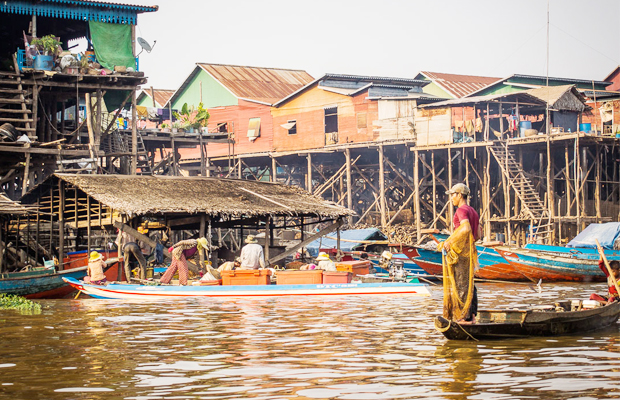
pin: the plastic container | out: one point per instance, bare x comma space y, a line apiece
313, 277
356, 267
586, 128
590, 304
523, 126
246, 277
337, 277
44, 63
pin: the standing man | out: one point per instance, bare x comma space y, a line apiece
252, 256
460, 259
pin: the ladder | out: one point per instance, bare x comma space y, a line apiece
533, 207
143, 166
15, 102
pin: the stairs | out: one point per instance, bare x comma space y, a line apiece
15, 103
533, 207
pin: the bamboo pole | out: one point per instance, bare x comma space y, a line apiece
450, 208
347, 154
309, 183
416, 204
61, 224
434, 201
611, 273
382, 188
134, 135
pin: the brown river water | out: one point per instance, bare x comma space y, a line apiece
380, 347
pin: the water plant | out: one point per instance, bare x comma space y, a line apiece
14, 302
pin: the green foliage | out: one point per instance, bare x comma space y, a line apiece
164, 125
14, 302
49, 44
191, 117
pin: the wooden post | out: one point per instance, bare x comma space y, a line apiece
416, 201
338, 257
173, 168
267, 236
309, 183
578, 191
487, 191
434, 201
239, 168
597, 188
134, 134
567, 176
203, 225
61, 224
203, 168
382, 187
98, 121
450, 208
26, 174
347, 154
88, 222
274, 170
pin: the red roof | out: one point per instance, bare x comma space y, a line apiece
459, 85
267, 85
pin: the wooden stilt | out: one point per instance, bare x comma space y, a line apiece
416, 201
382, 188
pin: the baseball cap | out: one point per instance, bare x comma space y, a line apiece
459, 188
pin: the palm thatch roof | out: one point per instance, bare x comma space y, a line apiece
8, 206
561, 98
140, 195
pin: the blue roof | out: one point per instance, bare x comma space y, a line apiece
117, 13
353, 234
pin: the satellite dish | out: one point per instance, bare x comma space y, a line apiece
145, 45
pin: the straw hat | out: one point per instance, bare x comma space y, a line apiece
94, 256
322, 256
251, 239
202, 242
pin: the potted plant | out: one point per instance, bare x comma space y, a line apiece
47, 48
176, 126
164, 127
191, 118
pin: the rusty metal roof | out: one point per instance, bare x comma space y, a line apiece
161, 95
459, 85
266, 85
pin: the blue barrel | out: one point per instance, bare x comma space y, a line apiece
585, 128
523, 126
44, 63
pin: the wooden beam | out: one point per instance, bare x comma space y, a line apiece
310, 239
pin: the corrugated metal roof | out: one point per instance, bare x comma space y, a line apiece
459, 85
376, 79
133, 7
162, 95
266, 85
588, 81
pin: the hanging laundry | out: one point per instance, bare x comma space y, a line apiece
479, 124
469, 127
141, 111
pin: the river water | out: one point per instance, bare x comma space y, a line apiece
381, 347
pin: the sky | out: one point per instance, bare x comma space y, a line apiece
388, 38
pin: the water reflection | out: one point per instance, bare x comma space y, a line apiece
305, 348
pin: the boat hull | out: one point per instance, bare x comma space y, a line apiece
532, 324
552, 266
492, 265
144, 292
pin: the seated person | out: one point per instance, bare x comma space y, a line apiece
325, 263
95, 269
230, 265
613, 293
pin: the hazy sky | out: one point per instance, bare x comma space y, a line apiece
385, 38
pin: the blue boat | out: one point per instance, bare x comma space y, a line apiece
40, 283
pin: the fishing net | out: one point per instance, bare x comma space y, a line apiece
459, 265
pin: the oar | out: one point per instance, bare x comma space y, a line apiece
611, 274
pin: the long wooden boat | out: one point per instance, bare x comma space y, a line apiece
552, 266
545, 321
492, 265
43, 283
126, 291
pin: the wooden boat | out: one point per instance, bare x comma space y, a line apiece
46, 283
126, 291
537, 321
553, 266
492, 265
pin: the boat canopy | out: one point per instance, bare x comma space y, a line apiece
351, 240
605, 233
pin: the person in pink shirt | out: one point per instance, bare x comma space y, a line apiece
460, 259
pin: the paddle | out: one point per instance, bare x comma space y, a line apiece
611, 273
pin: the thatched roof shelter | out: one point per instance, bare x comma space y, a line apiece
560, 98
151, 195
10, 207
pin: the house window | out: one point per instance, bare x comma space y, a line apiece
331, 119
361, 120
254, 128
290, 126
222, 127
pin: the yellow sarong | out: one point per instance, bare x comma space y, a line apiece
459, 266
